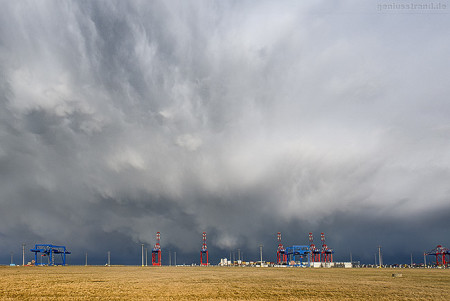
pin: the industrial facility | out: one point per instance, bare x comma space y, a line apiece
302, 255
291, 256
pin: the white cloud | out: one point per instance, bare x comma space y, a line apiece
189, 142
126, 158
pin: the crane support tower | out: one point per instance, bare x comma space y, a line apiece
156, 251
442, 255
326, 253
314, 253
204, 260
51, 252
281, 251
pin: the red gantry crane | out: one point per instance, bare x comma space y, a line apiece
204, 251
314, 253
326, 254
281, 251
156, 251
441, 254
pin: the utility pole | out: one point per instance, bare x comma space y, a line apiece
411, 260
424, 259
86, 260
23, 254
142, 251
145, 256
170, 257
260, 253
239, 254
380, 259
12, 260
175, 257
109, 258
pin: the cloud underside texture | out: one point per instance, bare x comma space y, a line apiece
122, 118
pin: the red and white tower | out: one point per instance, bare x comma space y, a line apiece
204, 252
314, 253
156, 251
327, 254
281, 251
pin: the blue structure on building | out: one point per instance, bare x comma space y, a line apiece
298, 256
52, 252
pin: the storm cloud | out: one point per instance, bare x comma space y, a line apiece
239, 118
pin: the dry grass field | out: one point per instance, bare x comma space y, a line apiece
220, 283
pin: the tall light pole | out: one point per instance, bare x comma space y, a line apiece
23, 254
142, 246
146, 256
85, 263
109, 258
175, 257
424, 260
260, 253
380, 259
12, 255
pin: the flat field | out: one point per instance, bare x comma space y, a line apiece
220, 283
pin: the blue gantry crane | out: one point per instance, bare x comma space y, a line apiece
53, 252
297, 255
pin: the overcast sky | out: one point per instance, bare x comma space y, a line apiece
239, 118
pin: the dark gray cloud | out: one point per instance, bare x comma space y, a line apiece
119, 119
